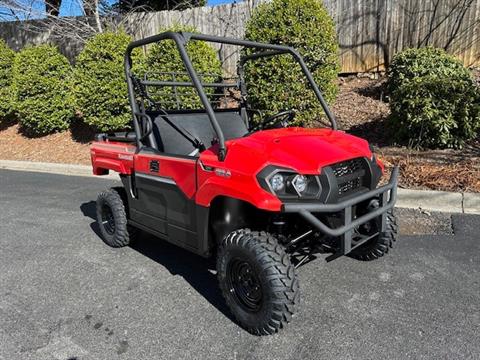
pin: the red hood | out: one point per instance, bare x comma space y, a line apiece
304, 150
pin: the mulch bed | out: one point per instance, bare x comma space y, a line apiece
360, 110
71, 147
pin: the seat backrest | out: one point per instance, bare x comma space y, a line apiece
171, 141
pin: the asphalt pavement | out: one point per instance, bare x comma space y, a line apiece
65, 295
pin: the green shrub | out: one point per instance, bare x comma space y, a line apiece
99, 82
434, 101
277, 83
163, 59
41, 82
7, 56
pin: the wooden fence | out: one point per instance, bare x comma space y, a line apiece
369, 32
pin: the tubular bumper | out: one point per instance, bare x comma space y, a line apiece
345, 207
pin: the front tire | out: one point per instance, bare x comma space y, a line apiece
112, 218
257, 281
378, 246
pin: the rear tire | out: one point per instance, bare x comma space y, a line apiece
257, 281
378, 246
112, 218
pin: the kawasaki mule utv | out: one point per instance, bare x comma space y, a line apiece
262, 199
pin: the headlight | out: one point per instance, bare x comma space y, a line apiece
287, 184
277, 182
299, 183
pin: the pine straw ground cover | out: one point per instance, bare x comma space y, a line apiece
360, 109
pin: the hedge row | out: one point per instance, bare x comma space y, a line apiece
433, 99
45, 93
95, 89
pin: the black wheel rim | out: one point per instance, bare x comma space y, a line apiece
244, 285
108, 220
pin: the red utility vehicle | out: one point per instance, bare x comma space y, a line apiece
263, 199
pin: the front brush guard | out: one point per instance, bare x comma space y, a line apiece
345, 231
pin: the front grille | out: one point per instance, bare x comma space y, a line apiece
349, 186
349, 175
347, 167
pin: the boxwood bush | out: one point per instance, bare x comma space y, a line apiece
42, 91
163, 59
434, 101
7, 56
99, 82
278, 83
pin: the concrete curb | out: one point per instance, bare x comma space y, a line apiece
441, 201
429, 200
53, 168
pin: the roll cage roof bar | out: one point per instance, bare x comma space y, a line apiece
181, 39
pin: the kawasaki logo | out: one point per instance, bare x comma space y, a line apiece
125, 157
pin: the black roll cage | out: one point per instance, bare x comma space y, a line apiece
181, 39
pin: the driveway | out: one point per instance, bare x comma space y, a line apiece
66, 295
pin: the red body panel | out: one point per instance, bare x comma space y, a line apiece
179, 169
112, 156
304, 150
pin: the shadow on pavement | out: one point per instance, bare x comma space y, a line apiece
89, 209
197, 271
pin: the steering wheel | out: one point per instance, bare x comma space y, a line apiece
281, 119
